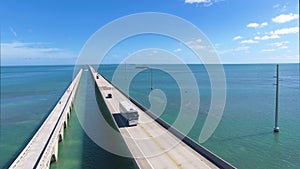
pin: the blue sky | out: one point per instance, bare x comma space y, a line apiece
242, 31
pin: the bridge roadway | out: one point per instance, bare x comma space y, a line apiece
150, 144
43, 147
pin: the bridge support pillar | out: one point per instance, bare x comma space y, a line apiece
54, 156
61, 133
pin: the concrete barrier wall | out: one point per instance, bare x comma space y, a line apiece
191, 143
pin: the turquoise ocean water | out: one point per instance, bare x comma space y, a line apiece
244, 136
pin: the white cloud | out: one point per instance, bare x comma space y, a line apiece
197, 1
34, 53
238, 49
283, 47
283, 18
177, 50
204, 2
242, 48
199, 40
253, 25
256, 38
267, 50
276, 34
279, 44
237, 38
267, 37
285, 31
264, 24
250, 41
257, 25
285, 58
196, 45
16, 48
281, 8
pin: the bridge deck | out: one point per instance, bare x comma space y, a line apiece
33, 155
151, 145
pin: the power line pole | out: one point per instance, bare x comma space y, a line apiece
276, 128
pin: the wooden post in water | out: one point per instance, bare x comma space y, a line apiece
276, 128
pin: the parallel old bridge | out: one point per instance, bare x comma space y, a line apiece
42, 149
151, 136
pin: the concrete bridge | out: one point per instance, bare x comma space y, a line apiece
153, 143
43, 147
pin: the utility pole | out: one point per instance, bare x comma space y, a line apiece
276, 128
126, 79
151, 76
151, 79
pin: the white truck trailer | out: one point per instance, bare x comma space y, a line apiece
129, 113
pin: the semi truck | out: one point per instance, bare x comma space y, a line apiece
129, 113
